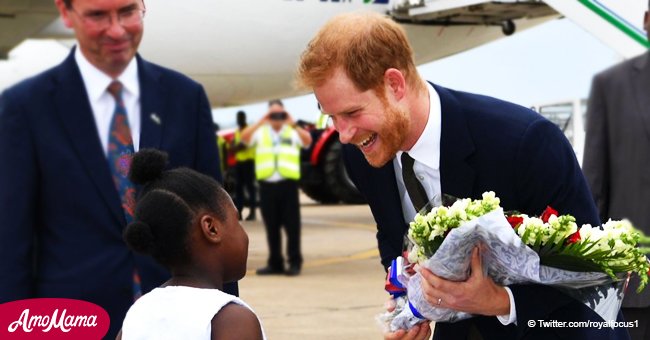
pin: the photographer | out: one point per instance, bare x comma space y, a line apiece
277, 140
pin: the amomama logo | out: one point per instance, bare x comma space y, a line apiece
50, 318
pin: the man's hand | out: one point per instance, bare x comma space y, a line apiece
478, 295
290, 120
266, 118
419, 331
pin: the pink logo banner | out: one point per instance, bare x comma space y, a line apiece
50, 318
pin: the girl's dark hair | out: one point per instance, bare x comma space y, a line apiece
168, 203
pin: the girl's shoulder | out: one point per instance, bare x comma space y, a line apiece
236, 321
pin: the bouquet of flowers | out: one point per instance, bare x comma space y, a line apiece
588, 263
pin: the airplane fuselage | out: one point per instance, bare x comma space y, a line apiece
245, 51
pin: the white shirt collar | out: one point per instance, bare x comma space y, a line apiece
97, 82
426, 149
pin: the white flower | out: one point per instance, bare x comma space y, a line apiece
591, 233
413, 254
457, 211
612, 247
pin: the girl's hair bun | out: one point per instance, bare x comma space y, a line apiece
147, 165
139, 237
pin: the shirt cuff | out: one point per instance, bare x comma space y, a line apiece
512, 317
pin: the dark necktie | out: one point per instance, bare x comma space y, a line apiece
414, 188
120, 153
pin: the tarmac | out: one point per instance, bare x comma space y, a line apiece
340, 290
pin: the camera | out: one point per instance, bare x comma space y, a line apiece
278, 116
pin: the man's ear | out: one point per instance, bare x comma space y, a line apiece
210, 228
65, 15
395, 83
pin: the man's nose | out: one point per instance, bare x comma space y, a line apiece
346, 131
115, 28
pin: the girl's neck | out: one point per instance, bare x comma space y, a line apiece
194, 281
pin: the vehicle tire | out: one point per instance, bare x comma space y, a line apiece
318, 190
312, 182
336, 177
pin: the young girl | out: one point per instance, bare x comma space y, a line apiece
189, 224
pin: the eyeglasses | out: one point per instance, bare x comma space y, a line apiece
102, 20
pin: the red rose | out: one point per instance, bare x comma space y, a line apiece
573, 238
548, 212
515, 221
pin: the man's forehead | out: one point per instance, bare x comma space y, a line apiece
106, 3
338, 94
340, 109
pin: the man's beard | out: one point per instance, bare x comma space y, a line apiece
391, 136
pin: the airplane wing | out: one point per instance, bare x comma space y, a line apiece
20, 20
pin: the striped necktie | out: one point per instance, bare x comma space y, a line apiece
120, 153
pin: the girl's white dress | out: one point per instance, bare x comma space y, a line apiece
176, 312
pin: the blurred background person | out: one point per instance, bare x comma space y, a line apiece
222, 146
617, 158
66, 140
277, 140
244, 171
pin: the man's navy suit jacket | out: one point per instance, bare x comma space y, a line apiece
492, 145
61, 219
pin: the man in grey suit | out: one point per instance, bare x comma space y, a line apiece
617, 157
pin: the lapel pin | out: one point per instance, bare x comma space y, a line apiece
155, 118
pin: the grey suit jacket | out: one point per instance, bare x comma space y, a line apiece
617, 148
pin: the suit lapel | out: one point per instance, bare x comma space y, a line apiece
456, 145
75, 114
152, 104
388, 187
641, 85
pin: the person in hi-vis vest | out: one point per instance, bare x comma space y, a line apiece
222, 146
244, 170
277, 140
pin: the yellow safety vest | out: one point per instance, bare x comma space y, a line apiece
287, 159
322, 121
244, 154
221, 145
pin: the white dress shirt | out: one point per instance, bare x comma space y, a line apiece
426, 153
102, 103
